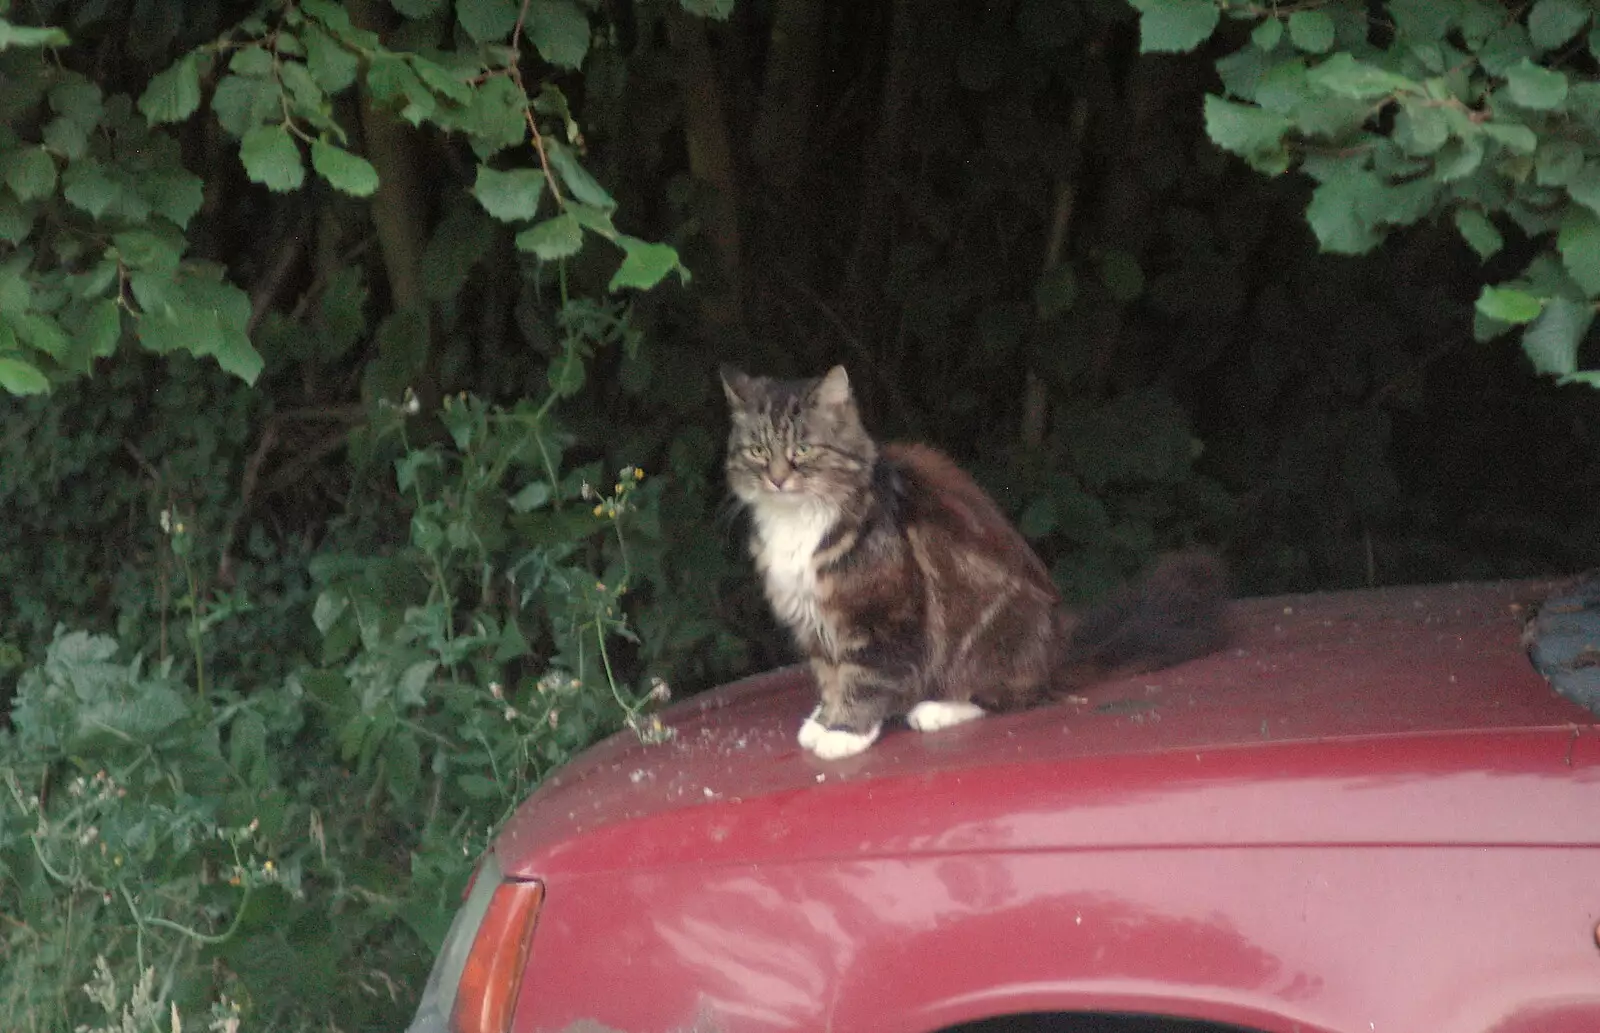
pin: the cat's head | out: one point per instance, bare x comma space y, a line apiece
796, 441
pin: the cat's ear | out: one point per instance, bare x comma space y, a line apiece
833, 390
738, 386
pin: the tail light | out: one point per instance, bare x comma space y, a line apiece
492, 974
475, 978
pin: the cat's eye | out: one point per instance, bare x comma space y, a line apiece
800, 450
757, 452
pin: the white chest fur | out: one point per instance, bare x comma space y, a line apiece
787, 534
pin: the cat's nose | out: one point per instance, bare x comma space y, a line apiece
777, 480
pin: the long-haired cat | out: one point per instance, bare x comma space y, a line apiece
907, 588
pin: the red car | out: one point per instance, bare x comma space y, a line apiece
1369, 814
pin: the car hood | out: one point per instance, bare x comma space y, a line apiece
1333, 669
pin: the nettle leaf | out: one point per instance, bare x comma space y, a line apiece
1552, 340
1509, 305
1344, 76
558, 237
559, 30
1551, 23
487, 21
1579, 244
1535, 87
345, 172
510, 196
1337, 212
174, 94
1312, 31
1479, 232
272, 158
583, 186
645, 264
31, 173
1175, 26
1252, 133
18, 377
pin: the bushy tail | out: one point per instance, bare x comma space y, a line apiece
1174, 613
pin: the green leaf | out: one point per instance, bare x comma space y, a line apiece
1344, 76
1311, 30
31, 173
101, 329
1252, 133
1424, 19
487, 21
1557, 162
532, 496
1267, 35
497, 116
18, 377
715, 9
1552, 340
242, 102
558, 237
645, 264
1552, 23
174, 94
255, 62
1535, 87
1479, 232
1579, 244
345, 172
1514, 135
1584, 186
272, 158
330, 64
582, 186
29, 36
1509, 305
559, 30
510, 196
566, 373
1175, 26
1420, 128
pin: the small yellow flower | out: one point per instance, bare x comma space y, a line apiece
599, 510
269, 867
638, 474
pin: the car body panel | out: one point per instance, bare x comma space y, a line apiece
1368, 813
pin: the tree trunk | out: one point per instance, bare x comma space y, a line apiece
868, 257
788, 93
400, 206
711, 163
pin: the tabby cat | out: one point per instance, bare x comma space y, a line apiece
906, 587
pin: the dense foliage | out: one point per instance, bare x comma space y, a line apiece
360, 448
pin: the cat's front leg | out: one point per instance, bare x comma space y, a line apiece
850, 716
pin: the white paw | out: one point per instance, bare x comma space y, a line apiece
811, 730
932, 715
835, 744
